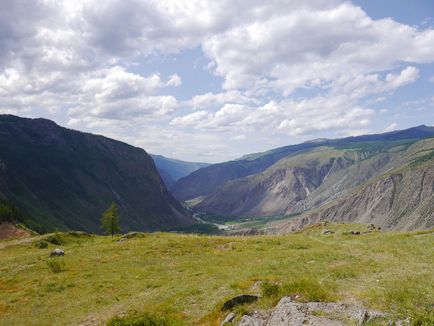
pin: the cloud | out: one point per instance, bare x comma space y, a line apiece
391, 127
74, 61
174, 80
313, 48
288, 117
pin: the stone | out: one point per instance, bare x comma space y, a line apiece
251, 321
327, 231
57, 252
229, 318
360, 316
131, 235
288, 313
239, 300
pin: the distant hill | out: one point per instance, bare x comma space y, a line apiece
207, 180
65, 179
171, 170
324, 180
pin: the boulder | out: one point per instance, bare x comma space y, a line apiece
251, 321
289, 312
57, 252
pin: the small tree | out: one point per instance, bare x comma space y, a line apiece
110, 220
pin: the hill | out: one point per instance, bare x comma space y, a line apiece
401, 198
186, 278
64, 179
207, 180
171, 170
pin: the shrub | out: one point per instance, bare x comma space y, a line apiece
146, 319
308, 290
55, 265
41, 244
269, 289
54, 239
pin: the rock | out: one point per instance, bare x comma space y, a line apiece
292, 313
57, 252
403, 322
251, 321
360, 316
131, 235
229, 318
327, 231
288, 313
355, 232
239, 300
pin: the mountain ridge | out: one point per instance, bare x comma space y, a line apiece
65, 179
207, 180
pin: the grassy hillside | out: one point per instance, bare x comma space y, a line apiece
189, 276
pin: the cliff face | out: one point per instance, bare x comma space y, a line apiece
296, 183
344, 184
65, 179
209, 180
399, 201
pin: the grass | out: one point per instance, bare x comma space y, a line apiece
184, 279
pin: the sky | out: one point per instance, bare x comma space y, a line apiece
211, 81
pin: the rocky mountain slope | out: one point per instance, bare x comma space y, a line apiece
65, 179
349, 182
208, 180
401, 199
171, 170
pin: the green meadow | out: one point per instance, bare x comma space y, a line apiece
183, 279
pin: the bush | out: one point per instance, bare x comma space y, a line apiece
54, 239
146, 319
308, 290
55, 265
269, 289
41, 244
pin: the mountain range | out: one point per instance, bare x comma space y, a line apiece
64, 179
171, 170
57, 178
325, 180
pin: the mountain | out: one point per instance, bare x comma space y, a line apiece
171, 170
65, 179
327, 182
401, 198
207, 180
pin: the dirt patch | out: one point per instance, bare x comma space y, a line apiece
10, 231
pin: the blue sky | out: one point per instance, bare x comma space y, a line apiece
212, 81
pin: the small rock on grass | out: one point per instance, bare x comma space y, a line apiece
57, 252
229, 318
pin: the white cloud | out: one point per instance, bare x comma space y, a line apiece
391, 127
286, 117
174, 80
74, 59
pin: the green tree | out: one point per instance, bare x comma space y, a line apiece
110, 220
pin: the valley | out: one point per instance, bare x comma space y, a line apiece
331, 223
